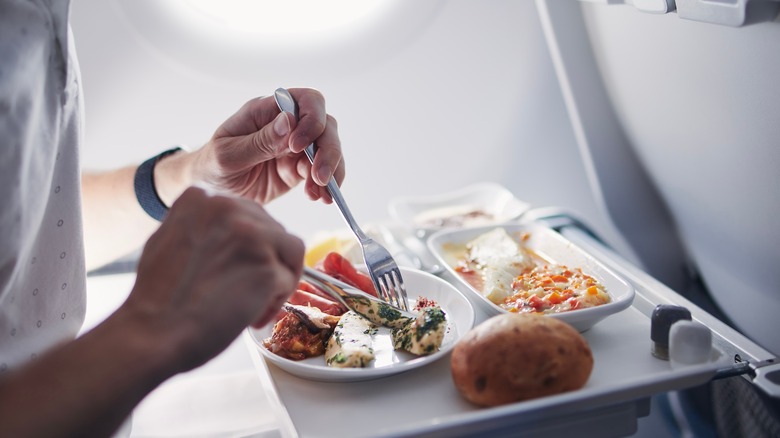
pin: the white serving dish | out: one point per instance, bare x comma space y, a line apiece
488, 197
552, 246
460, 319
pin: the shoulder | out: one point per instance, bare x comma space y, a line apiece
29, 75
26, 38
28, 46
24, 18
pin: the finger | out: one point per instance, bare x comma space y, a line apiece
339, 176
277, 257
328, 155
287, 170
271, 140
290, 251
252, 116
265, 144
341, 172
312, 118
273, 308
312, 190
268, 232
303, 167
328, 160
316, 192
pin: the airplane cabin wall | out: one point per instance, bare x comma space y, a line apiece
700, 103
433, 98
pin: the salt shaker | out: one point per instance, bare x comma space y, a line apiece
690, 343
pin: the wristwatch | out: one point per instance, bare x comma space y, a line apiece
145, 190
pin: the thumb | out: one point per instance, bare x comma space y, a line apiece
273, 139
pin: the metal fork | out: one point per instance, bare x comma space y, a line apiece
373, 309
382, 268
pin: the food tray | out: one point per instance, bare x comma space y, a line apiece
424, 402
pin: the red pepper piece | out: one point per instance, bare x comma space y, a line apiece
337, 266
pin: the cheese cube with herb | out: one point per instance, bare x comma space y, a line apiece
423, 335
350, 344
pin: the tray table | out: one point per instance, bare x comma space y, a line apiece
424, 402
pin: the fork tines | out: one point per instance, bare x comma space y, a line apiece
392, 289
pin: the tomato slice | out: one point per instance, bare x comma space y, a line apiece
308, 287
337, 266
303, 298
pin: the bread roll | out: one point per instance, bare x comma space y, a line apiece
513, 357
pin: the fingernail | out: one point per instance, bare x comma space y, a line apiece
323, 174
281, 125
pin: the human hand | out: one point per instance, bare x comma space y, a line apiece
215, 265
258, 152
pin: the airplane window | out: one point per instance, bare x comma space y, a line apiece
286, 18
236, 39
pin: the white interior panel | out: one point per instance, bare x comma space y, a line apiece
700, 103
430, 98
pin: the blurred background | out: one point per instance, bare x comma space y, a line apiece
429, 96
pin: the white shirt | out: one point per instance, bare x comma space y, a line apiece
42, 271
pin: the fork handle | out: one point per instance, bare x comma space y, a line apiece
285, 102
335, 193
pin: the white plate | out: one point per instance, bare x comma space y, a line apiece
460, 319
489, 197
554, 247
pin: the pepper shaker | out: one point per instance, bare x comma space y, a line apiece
664, 315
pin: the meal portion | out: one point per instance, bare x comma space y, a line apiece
301, 332
313, 324
554, 289
518, 280
514, 357
423, 335
350, 344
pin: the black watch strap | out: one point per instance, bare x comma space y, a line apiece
145, 190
